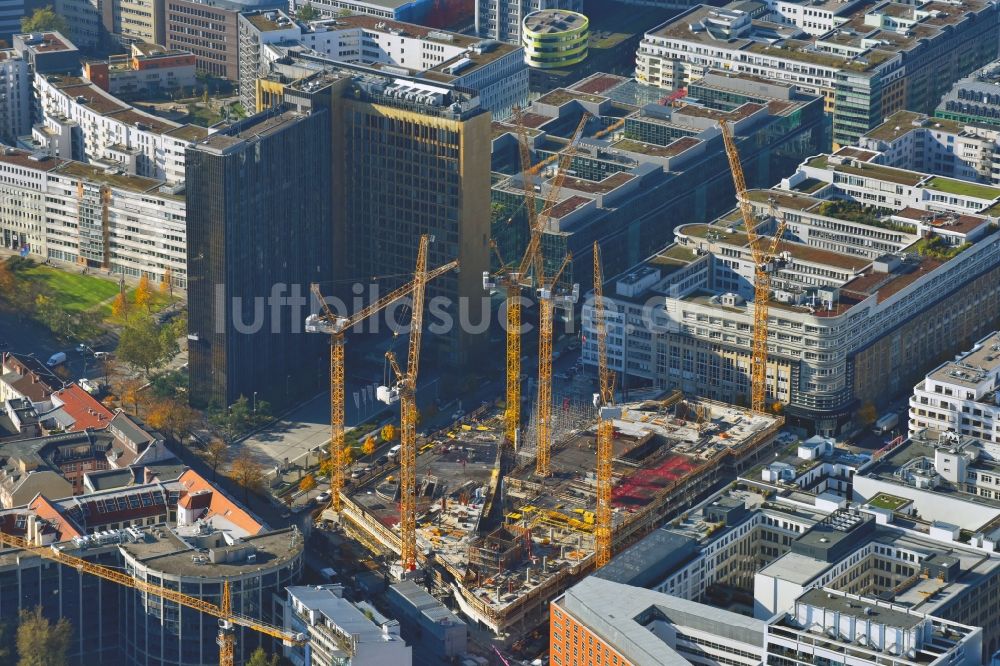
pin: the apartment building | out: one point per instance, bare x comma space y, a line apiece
82, 122
495, 71
973, 99
270, 172
15, 96
872, 256
944, 147
341, 632
866, 60
638, 162
960, 396
48, 52
209, 29
148, 70
502, 19
88, 216
414, 11
138, 21
87, 23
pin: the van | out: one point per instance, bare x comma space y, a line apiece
56, 359
394, 452
329, 574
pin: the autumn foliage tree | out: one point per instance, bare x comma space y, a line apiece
119, 307
307, 483
171, 417
348, 455
247, 473
216, 453
41, 643
143, 293
388, 432
368, 447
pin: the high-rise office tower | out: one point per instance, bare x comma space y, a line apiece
409, 157
259, 233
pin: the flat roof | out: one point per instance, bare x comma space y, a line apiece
617, 613
172, 555
868, 610
554, 21
647, 562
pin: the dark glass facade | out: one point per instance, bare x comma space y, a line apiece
259, 232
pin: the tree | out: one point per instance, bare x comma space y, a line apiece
172, 417
307, 483
247, 473
348, 455
867, 414
217, 453
144, 346
44, 19
130, 392
388, 432
143, 293
167, 283
325, 467
368, 447
119, 307
778, 407
260, 658
307, 12
39, 642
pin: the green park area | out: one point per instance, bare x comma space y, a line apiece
888, 502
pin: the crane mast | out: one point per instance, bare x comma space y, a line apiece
763, 260
547, 300
337, 328
604, 401
405, 392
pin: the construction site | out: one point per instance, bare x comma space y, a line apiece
507, 543
506, 513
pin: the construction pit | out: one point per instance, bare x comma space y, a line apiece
508, 543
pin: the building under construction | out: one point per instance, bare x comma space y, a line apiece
506, 541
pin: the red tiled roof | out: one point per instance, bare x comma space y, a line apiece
86, 411
220, 505
43, 508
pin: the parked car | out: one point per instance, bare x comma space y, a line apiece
56, 359
359, 472
382, 460
323, 497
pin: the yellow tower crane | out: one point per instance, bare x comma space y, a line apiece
405, 392
606, 414
227, 619
336, 327
764, 263
548, 298
529, 272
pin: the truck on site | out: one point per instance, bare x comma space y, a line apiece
885, 423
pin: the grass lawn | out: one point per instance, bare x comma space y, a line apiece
887, 501
73, 292
963, 188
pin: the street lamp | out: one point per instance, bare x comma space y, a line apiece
255, 403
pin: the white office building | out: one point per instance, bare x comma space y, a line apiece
82, 122
502, 19
961, 396
341, 633
92, 218
496, 71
